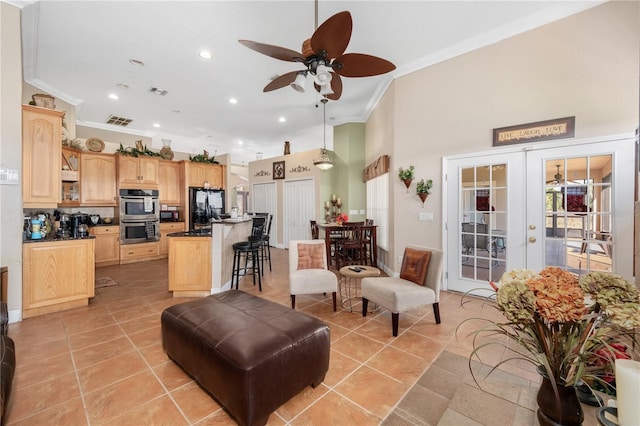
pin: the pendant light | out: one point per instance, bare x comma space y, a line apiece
324, 161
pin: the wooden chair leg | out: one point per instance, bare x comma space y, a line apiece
436, 312
394, 323
293, 301
335, 306
365, 306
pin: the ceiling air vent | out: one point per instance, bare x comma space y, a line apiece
119, 121
158, 91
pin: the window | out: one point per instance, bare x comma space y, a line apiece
378, 207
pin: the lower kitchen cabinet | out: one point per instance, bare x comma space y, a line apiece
190, 266
165, 229
107, 244
131, 253
57, 275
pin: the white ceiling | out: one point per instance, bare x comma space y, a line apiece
79, 51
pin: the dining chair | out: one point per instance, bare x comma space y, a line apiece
418, 285
315, 230
350, 247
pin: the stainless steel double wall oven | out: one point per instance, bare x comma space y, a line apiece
139, 216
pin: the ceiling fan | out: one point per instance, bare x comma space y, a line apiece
557, 178
324, 58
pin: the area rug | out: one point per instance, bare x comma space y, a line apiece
105, 282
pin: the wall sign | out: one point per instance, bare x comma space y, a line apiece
299, 169
558, 128
262, 173
278, 169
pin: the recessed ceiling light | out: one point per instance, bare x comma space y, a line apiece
156, 124
282, 119
233, 101
113, 96
122, 86
240, 142
136, 62
205, 54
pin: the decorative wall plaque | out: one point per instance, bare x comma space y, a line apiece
558, 128
278, 169
262, 173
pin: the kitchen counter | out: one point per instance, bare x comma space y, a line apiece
192, 233
55, 239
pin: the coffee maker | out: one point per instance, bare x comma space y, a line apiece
78, 226
64, 230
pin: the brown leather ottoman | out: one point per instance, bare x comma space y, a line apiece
251, 354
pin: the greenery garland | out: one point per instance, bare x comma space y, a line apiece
134, 152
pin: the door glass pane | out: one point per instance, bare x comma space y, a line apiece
579, 223
483, 210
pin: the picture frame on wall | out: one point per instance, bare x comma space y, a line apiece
278, 169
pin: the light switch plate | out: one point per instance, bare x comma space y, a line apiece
425, 216
8, 176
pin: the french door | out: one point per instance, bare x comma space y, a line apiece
569, 206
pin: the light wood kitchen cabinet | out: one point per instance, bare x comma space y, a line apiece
131, 253
170, 182
41, 161
70, 173
107, 244
98, 180
198, 174
189, 266
137, 172
167, 228
57, 275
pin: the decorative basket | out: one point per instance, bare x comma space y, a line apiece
44, 101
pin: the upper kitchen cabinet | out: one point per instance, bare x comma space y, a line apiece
137, 172
98, 179
41, 151
203, 175
170, 182
70, 176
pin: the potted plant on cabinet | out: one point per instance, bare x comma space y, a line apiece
406, 175
423, 189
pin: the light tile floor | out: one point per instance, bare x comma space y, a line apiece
104, 364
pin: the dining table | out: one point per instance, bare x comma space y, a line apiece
329, 228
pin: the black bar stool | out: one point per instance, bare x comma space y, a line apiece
250, 248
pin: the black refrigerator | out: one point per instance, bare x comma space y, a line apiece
205, 205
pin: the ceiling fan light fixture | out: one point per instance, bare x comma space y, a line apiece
298, 83
323, 76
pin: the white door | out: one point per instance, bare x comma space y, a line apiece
265, 200
298, 202
577, 213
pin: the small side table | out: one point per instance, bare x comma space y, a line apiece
350, 285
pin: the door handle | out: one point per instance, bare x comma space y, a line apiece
532, 227
532, 240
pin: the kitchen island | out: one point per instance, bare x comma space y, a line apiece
201, 261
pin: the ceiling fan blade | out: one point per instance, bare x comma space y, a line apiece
282, 81
333, 35
336, 86
277, 52
361, 65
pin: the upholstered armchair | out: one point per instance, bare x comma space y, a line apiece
308, 270
418, 285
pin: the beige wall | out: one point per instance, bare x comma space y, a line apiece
584, 66
11, 152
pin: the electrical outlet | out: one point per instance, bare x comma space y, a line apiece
399, 259
425, 216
